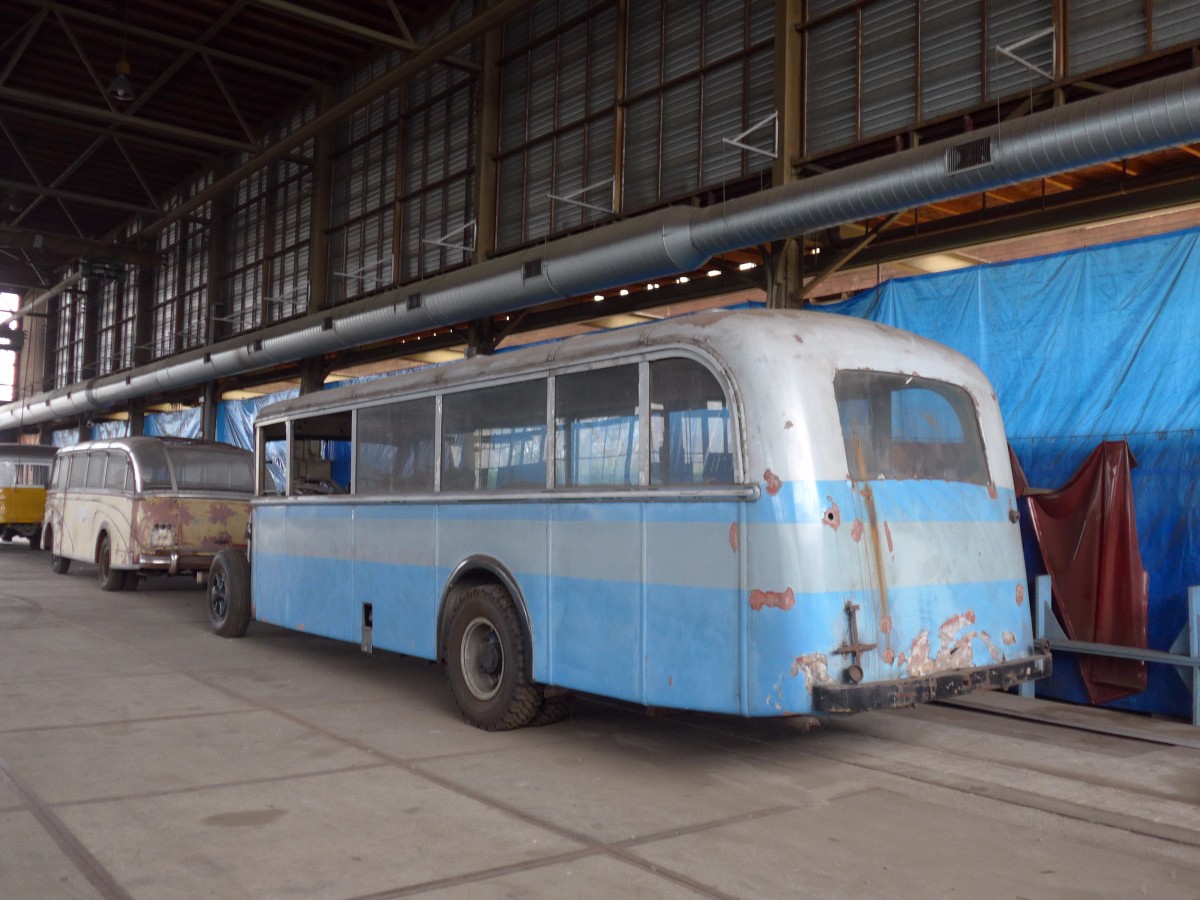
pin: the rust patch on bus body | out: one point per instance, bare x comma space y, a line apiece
887, 532
221, 513
1009, 638
955, 649
1020, 594
776, 599
888, 657
773, 482
832, 515
734, 536
788, 424
992, 492
814, 667
856, 530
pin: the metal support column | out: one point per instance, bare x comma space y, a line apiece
787, 261
318, 222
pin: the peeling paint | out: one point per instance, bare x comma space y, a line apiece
815, 668
994, 652
885, 625
1020, 594
856, 530
992, 492
887, 532
775, 599
954, 625
1008, 637
832, 516
888, 657
955, 651
773, 482
734, 536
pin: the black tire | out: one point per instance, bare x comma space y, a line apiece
6, 535
555, 708
110, 579
58, 564
485, 661
131, 581
229, 594
35, 539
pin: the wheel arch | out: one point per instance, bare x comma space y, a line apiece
474, 571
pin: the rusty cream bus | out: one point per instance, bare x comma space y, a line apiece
140, 505
753, 512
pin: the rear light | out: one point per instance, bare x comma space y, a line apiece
163, 536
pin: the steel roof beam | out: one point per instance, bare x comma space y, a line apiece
377, 37
133, 30
198, 138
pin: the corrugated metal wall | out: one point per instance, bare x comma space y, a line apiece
439, 145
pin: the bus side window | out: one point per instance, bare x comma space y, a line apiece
58, 477
596, 428
320, 454
117, 475
689, 425
79, 467
394, 448
95, 469
494, 438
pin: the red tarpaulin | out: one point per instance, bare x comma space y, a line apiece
1088, 538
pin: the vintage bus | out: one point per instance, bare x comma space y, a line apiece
146, 505
756, 512
24, 473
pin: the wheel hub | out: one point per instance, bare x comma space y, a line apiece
482, 658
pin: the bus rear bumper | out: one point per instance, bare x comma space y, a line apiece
853, 698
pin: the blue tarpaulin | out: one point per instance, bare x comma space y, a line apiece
1084, 346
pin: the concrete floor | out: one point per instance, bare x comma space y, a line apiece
141, 756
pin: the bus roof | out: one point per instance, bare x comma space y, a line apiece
140, 443
724, 335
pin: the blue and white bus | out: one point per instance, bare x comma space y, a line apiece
760, 513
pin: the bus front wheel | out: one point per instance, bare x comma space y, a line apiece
485, 661
58, 564
229, 594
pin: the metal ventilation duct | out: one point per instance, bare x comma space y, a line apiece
1131, 121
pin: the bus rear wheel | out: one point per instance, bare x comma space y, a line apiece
229, 594
485, 661
110, 579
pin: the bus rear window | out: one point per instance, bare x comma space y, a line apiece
202, 468
903, 427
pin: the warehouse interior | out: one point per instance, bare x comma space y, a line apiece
186, 188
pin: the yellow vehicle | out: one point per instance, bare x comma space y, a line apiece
24, 473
